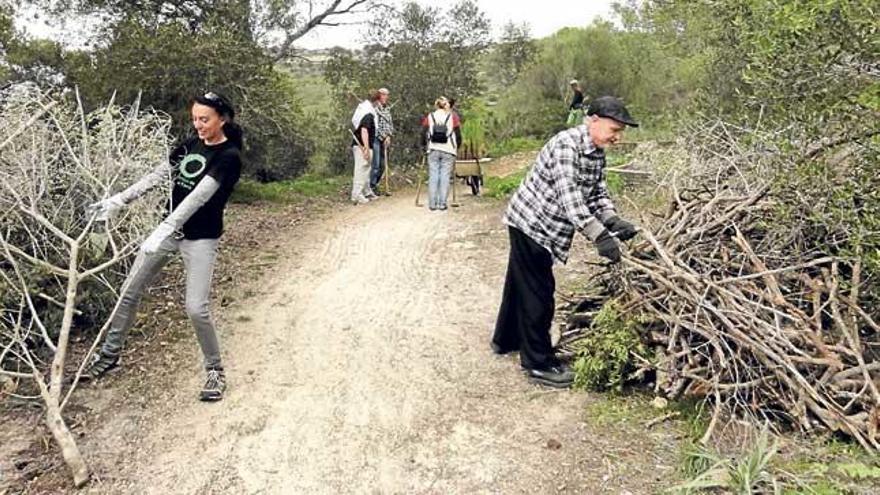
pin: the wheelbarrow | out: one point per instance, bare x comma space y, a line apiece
469, 170
472, 173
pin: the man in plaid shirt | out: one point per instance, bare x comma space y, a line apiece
564, 192
384, 130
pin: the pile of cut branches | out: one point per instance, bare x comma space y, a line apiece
737, 311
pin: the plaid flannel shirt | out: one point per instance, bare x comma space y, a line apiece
564, 192
384, 124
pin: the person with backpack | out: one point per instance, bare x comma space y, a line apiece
203, 172
564, 192
363, 133
442, 139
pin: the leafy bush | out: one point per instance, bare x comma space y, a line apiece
604, 358
168, 63
608, 60
473, 132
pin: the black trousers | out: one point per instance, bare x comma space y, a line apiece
527, 304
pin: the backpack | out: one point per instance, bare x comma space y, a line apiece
440, 133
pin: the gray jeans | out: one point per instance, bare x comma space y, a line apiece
439, 169
198, 260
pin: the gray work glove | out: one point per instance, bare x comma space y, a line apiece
105, 209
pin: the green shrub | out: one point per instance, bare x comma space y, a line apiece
137, 59
473, 135
604, 358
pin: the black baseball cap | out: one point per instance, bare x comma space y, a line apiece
612, 108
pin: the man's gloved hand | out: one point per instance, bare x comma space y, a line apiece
608, 246
622, 229
162, 232
106, 208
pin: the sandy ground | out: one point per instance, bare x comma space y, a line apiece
361, 365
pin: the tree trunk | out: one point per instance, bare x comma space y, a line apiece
69, 450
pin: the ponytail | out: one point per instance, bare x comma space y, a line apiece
234, 133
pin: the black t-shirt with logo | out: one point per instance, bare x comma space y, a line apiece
190, 162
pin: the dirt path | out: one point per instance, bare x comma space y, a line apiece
362, 366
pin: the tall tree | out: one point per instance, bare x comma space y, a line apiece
514, 51
23, 59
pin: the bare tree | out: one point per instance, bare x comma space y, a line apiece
274, 24
56, 159
279, 23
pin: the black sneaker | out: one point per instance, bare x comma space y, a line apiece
558, 376
215, 385
101, 365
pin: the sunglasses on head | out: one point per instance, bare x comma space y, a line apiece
214, 100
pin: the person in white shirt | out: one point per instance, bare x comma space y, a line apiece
363, 132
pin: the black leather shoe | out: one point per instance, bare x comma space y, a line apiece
559, 376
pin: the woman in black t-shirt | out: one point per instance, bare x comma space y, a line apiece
203, 172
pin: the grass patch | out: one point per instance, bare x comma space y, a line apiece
816, 468
750, 472
695, 416
617, 409
831, 467
501, 187
287, 191
818, 488
514, 145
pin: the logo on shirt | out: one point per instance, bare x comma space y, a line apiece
192, 166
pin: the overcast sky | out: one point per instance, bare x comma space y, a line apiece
544, 16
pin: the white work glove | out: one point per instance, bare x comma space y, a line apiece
154, 240
106, 208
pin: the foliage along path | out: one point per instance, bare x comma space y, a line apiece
362, 365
